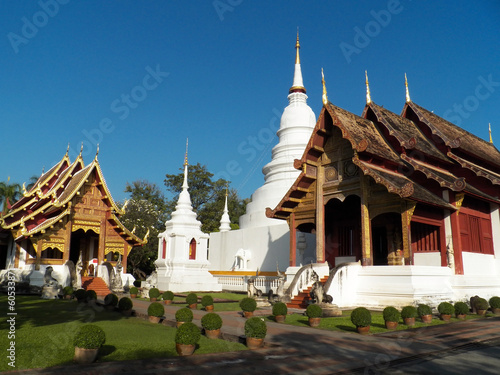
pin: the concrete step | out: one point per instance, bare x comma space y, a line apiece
96, 284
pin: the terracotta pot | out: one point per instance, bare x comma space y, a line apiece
461, 316
193, 306
154, 319
254, 343
280, 318
152, 299
314, 322
363, 330
127, 312
183, 350
178, 324
167, 301
209, 308
426, 318
247, 314
409, 321
445, 317
83, 356
67, 296
481, 312
496, 311
212, 333
391, 325
133, 296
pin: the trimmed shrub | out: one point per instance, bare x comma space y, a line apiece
446, 308
461, 308
90, 295
168, 295
424, 309
187, 334
133, 290
89, 336
255, 327
79, 294
125, 304
314, 311
279, 308
495, 302
361, 317
207, 301
156, 309
391, 314
481, 304
154, 293
137, 283
211, 321
409, 312
111, 300
248, 304
191, 299
184, 315
68, 290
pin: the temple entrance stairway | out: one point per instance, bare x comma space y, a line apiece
301, 300
96, 284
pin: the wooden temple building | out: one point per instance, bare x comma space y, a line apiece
408, 190
69, 213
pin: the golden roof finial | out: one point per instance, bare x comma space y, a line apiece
408, 100
186, 156
24, 186
67, 150
368, 97
297, 47
489, 129
145, 239
324, 97
81, 150
97, 151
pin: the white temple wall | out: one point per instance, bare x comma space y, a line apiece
495, 224
430, 259
480, 264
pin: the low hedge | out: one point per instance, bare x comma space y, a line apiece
495, 302
481, 304
133, 290
167, 296
279, 308
187, 334
255, 327
461, 308
211, 321
446, 308
424, 309
156, 309
154, 293
207, 301
111, 300
314, 311
191, 299
89, 336
125, 304
391, 314
184, 315
361, 317
409, 312
248, 304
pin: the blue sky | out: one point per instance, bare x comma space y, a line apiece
139, 77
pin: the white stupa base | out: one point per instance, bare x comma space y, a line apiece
186, 276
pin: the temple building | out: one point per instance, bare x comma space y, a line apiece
412, 194
69, 214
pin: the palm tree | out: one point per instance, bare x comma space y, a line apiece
33, 180
9, 193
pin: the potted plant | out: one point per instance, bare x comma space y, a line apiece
255, 331
183, 315
212, 324
137, 283
446, 310
67, 292
186, 337
314, 313
90, 296
167, 297
80, 295
461, 310
279, 311
495, 304
155, 312
409, 313
110, 301
154, 293
248, 305
361, 318
125, 306
133, 292
481, 306
87, 342
391, 317
207, 302
425, 313
192, 301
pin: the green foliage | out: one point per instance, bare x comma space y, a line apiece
90, 295
207, 301
79, 294
409, 312
156, 309
495, 302
168, 295
111, 300
89, 336
481, 304
125, 304
461, 308
211, 321
9, 193
184, 315
68, 290
314, 311
248, 304
391, 314
446, 308
255, 327
191, 299
279, 308
187, 334
154, 293
133, 290
137, 283
424, 309
361, 317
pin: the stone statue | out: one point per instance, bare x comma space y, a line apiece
317, 292
252, 290
79, 267
116, 278
281, 284
51, 287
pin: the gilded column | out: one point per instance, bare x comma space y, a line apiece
406, 214
366, 248
320, 217
293, 240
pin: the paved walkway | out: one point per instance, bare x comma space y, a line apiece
306, 350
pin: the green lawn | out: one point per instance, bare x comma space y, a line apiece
45, 330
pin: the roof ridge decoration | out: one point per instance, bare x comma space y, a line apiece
324, 97
489, 131
408, 100
368, 96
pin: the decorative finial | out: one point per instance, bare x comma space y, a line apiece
408, 100
227, 188
81, 149
324, 96
297, 47
186, 156
145, 239
368, 97
97, 151
67, 150
489, 129
24, 183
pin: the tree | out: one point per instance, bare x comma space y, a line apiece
146, 209
33, 180
207, 197
9, 194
